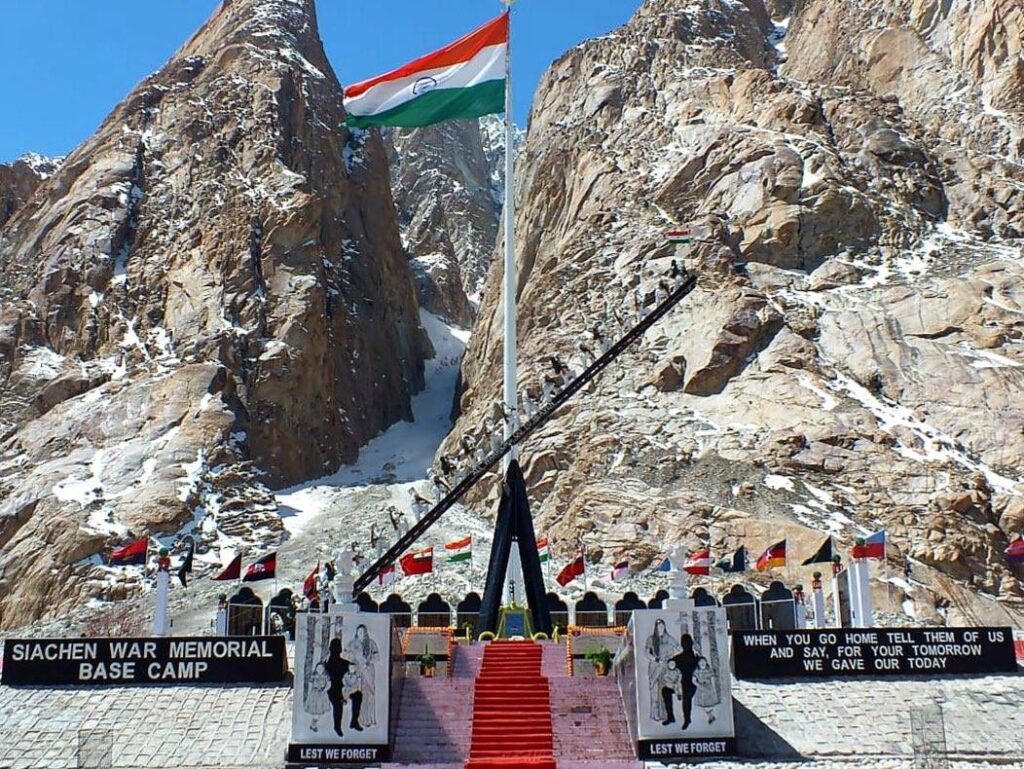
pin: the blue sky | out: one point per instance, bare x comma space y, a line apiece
65, 64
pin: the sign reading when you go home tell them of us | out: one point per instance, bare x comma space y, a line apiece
100, 661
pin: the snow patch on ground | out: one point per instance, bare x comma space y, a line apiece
779, 482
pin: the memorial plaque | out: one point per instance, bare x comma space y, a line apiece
130, 661
342, 689
873, 652
682, 691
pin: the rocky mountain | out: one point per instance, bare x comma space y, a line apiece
448, 183
207, 299
853, 355
19, 180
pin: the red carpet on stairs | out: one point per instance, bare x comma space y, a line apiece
511, 710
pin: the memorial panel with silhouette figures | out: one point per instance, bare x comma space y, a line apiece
683, 684
342, 689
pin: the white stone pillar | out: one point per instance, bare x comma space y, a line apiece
864, 592
163, 590
344, 586
678, 583
818, 601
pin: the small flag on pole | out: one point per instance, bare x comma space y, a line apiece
387, 576
186, 563
460, 551
420, 562
543, 550
132, 554
699, 563
824, 554
773, 557
262, 568
620, 571
737, 565
232, 571
873, 546
309, 585
1015, 552
573, 569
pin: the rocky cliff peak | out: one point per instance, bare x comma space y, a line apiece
854, 343
209, 295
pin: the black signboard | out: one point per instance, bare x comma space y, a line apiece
696, 747
131, 661
875, 652
333, 753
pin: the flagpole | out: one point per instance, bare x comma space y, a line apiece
510, 383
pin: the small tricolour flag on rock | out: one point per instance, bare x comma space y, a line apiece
232, 571
262, 568
132, 554
679, 236
460, 551
699, 563
620, 571
573, 569
465, 79
773, 557
420, 562
543, 550
872, 546
1015, 552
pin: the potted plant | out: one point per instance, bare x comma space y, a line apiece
601, 659
427, 663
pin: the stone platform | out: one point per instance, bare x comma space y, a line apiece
862, 723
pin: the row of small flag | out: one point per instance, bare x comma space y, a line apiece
137, 554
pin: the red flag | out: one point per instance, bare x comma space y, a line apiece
262, 568
232, 571
872, 547
421, 562
387, 576
132, 554
309, 585
699, 563
573, 569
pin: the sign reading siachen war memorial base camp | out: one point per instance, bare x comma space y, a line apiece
121, 661
874, 652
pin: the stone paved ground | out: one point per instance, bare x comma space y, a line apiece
837, 725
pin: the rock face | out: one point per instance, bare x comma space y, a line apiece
209, 295
852, 357
448, 182
19, 180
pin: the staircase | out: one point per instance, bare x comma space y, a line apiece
511, 710
434, 720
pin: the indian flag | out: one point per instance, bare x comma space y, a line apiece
679, 236
460, 550
463, 80
543, 550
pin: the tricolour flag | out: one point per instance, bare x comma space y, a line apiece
460, 551
132, 554
620, 571
1015, 552
773, 557
420, 562
387, 575
232, 571
573, 569
465, 79
873, 546
543, 550
699, 563
679, 236
261, 568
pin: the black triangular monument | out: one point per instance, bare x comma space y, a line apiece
514, 524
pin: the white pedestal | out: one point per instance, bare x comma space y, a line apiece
864, 593
818, 601
163, 589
